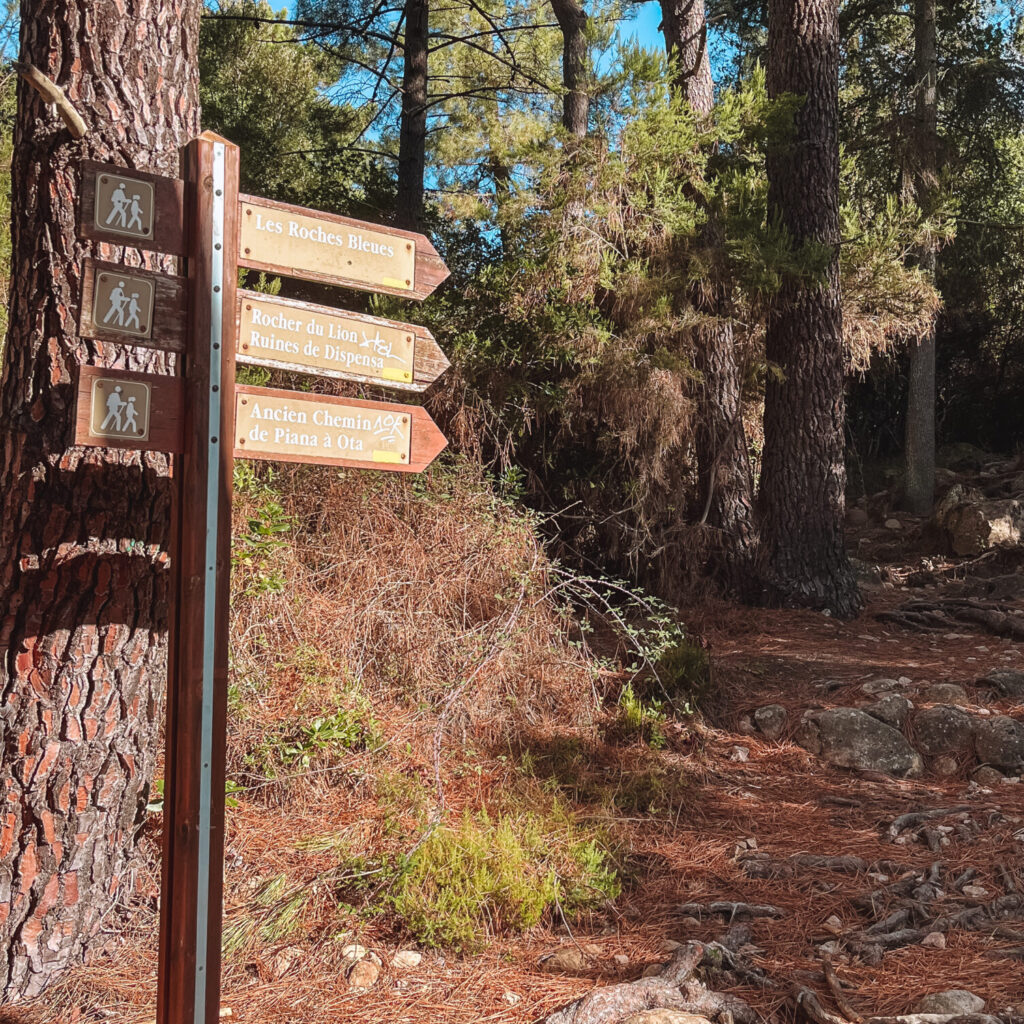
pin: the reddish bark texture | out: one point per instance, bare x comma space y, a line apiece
84, 581
803, 475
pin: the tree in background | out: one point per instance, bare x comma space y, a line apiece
803, 478
723, 458
84, 584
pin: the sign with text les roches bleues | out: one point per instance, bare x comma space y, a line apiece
296, 242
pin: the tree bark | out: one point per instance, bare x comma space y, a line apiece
412, 140
723, 464
920, 431
84, 584
572, 20
803, 475
685, 27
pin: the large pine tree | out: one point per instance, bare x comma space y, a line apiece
803, 474
84, 578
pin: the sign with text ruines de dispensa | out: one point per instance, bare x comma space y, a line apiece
301, 336
296, 242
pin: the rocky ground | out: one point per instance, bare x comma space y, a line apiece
838, 838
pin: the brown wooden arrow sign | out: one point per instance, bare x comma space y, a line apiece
290, 426
307, 338
296, 242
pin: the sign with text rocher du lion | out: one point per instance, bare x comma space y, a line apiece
296, 242
291, 426
301, 336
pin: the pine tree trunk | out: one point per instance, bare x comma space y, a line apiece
723, 463
803, 475
920, 434
572, 20
84, 581
412, 139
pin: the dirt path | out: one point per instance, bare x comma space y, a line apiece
727, 799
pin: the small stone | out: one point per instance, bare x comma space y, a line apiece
593, 949
363, 974
975, 892
834, 925
664, 1017
945, 766
746, 726
564, 961
830, 948
406, 959
893, 524
669, 946
892, 709
1000, 742
352, 953
690, 922
653, 970
771, 720
879, 686
621, 959
286, 959
936, 940
741, 754
1005, 682
946, 693
988, 776
512, 998
954, 1000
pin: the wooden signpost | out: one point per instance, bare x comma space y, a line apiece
207, 420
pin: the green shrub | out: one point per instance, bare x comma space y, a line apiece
639, 719
484, 877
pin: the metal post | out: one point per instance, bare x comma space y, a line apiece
191, 912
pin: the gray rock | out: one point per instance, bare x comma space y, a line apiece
363, 975
988, 776
999, 741
946, 693
880, 686
664, 1017
945, 766
771, 720
893, 710
852, 739
955, 1000
564, 961
978, 526
1005, 682
943, 730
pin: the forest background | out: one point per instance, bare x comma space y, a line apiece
602, 222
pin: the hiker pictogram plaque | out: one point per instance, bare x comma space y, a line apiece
132, 208
292, 427
107, 311
297, 242
123, 303
120, 409
289, 335
126, 206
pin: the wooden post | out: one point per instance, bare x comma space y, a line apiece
191, 911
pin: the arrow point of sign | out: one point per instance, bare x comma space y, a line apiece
427, 442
